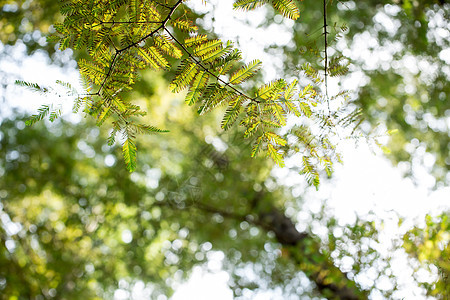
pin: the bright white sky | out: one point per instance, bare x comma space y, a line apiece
367, 181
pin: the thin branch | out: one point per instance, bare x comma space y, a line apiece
111, 65
163, 5
199, 62
126, 22
325, 32
162, 26
118, 51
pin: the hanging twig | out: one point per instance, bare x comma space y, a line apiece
325, 33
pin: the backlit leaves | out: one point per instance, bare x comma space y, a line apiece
249, 4
185, 74
245, 72
129, 154
231, 113
287, 8
275, 155
197, 87
121, 38
124, 37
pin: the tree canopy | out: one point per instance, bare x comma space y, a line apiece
76, 223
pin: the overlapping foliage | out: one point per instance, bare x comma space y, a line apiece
122, 38
71, 225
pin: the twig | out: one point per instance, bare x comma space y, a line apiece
198, 62
118, 51
325, 32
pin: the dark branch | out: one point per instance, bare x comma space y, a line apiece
118, 51
287, 235
198, 62
325, 33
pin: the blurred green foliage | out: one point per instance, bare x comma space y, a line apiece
29, 22
431, 247
401, 65
75, 224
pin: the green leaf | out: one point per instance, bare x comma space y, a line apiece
129, 154
119, 104
305, 108
310, 172
112, 135
153, 57
287, 8
249, 4
220, 52
275, 155
103, 115
290, 90
55, 114
271, 123
231, 113
195, 40
185, 25
197, 87
279, 113
166, 45
207, 47
307, 90
271, 89
213, 96
245, 72
43, 111
184, 77
251, 128
275, 138
257, 146
32, 86
148, 129
292, 108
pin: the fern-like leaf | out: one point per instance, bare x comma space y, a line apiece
275, 155
275, 138
290, 90
153, 57
204, 49
218, 53
119, 104
311, 72
257, 146
292, 108
129, 154
32, 86
185, 75
337, 67
197, 87
270, 90
231, 113
43, 111
287, 8
101, 118
165, 44
249, 4
185, 25
278, 113
251, 128
147, 129
245, 72
310, 172
54, 114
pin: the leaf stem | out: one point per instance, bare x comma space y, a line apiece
118, 51
198, 62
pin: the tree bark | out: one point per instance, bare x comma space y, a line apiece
324, 273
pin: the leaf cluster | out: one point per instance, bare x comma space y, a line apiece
123, 37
